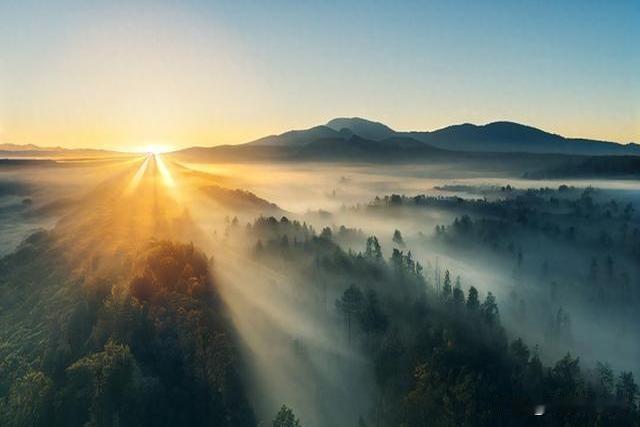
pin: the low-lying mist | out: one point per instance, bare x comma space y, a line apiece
287, 244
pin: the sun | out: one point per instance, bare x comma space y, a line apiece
153, 149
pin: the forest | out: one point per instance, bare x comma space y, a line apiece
319, 213
470, 305
148, 345
152, 344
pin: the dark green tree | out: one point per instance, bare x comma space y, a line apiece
372, 319
419, 270
446, 286
520, 353
350, 305
626, 390
458, 297
286, 418
326, 233
606, 379
397, 238
29, 401
397, 261
566, 381
489, 309
106, 375
473, 302
373, 249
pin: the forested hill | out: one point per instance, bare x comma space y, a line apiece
146, 344
439, 354
149, 344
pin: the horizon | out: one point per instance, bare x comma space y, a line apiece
301, 214
123, 76
165, 148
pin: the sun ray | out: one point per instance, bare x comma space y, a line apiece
135, 181
164, 171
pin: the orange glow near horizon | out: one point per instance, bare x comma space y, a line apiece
153, 149
119, 75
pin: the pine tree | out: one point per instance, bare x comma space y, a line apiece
626, 390
397, 238
419, 270
446, 287
372, 319
489, 309
286, 418
458, 297
606, 379
350, 305
373, 249
473, 302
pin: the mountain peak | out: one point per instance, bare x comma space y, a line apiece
356, 137
26, 147
514, 126
365, 128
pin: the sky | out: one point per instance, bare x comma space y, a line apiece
123, 75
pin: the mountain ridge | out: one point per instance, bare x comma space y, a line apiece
10, 150
495, 137
365, 128
499, 137
509, 136
7, 146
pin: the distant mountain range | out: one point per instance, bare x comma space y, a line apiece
364, 140
492, 137
31, 150
514, 137
26, 147
360, 139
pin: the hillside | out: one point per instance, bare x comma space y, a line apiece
304, 146
362, 127
357, 139
500, 136
31, 150
360, 139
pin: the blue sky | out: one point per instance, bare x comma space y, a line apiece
117, 74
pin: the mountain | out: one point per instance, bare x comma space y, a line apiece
310, 145
356, 139
514, 137
26, 147
8, 150
340, 128
362, 127
504, 137
299, 137
356, 148
367, 141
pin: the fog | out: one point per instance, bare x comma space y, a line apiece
296, 352
328, 186
303, 190
289, 334
334, 196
